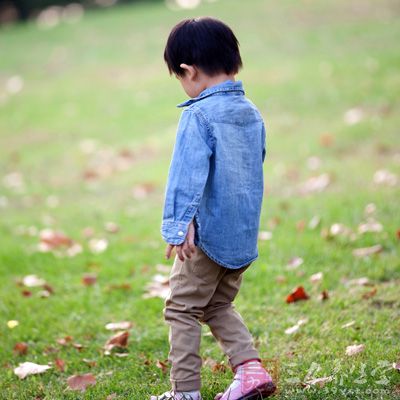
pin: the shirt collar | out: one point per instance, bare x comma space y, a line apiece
226, 86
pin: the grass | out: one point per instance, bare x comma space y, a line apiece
103, 79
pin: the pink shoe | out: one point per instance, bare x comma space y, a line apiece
251, 382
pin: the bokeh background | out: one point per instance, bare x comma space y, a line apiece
87, 125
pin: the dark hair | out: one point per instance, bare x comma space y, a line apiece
205, 42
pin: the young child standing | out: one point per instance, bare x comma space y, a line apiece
212, 210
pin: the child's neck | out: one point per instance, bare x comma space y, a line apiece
215, 80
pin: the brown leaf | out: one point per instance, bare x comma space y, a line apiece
113, 326
89, 279
324, 295
326, 140
26, 293
65, 340
118, 340
81, 382
60, 364
21, 348
91, 363
398, 234
298, 294
163, 365
78, 346
369, 294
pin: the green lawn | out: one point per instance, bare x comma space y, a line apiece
90, 134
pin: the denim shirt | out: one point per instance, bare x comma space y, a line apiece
216, 175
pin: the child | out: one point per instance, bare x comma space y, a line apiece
212, 209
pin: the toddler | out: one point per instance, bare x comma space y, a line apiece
212, 210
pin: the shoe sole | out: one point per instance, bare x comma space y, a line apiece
260, 392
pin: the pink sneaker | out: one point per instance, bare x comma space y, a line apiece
251, 382
177, 396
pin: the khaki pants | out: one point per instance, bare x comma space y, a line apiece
202, 291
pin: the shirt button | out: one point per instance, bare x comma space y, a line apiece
180, 233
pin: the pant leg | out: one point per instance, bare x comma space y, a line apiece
192, 285
226, 324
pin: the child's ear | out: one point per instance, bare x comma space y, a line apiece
190, 71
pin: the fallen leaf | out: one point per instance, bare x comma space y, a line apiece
315, 184
320, 382
353, 116
296, 327
163, 365
124, 325
120, 339
65, 340
396, 366
370, 226
348, 324
81, 382
214, 365
60, 364
367, 251
97, 246
111, 227
317, 277
370, 293
32, 281
326, 140
21, 348
91, 363
294, 263
89, 279
385, 177
354, 349
298, 294
324, 295
28, 368
314, 222
265, 235
12, 323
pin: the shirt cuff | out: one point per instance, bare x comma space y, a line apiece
174, 232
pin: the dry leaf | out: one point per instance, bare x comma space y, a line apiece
296, 327
65, 340
315, 184
265, 235
348, 324
320, 382
21, 348
120, 339
385, 177
89, 279
163, 365
60, 364
314, 222
298, 294
29, 368
32, 281
12, 323
123, 325
324, 295
354, 349
367, 251
97, 246
294, 263
81, 382
353, 116
370, 294
370, 226
317, 277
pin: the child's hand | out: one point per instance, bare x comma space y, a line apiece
184, 249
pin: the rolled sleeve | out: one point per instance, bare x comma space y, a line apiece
187, 176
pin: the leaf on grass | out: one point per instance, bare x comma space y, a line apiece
158, 287
123, 325
214, 365
163, 365
21, 348
317, 277
324, 295
320, 382
353, 116
89, 279
326, 140
294, 263
97, 246
120, 339
385, 177
369, 294
265, 235
348, 324
370, 226
396, 366
111, 227
32, 281
91, 363
298, 294
65, 340
314, 222
29, 368
60, 364
81, 382
12, 323
367, 251
296, 327
315, 184
354, 349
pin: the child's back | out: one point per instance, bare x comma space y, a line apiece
227, 219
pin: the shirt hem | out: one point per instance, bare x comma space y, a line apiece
201, 245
